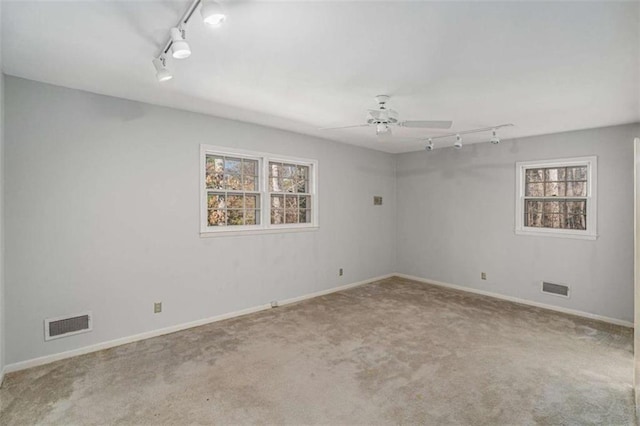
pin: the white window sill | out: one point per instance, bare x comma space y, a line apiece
556, 234
241, 232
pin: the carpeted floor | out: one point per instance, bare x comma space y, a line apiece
391, 352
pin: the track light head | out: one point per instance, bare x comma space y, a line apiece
162, 72
212, 13
494, 139
383, 129
430, 145
179, 46
458, 143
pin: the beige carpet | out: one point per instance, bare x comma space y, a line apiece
390, 352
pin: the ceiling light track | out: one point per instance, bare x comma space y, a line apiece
212, 15
458, 143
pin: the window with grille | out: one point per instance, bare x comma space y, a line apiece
252, 191
557, 198
289, 193
233, 190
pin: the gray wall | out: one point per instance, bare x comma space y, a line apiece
456, 220
102, 210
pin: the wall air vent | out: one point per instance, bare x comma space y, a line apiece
54, 328
555, 289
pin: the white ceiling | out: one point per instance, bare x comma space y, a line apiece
546, 67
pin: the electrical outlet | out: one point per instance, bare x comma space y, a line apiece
340, 272
483, 275
157, 307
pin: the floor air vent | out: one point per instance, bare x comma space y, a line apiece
55, 328
555, 289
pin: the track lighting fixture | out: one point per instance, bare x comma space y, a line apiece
494, 139
458, 143
212, 13
162, 72
430, 145
179, 45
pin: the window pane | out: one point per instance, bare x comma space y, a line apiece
275, 169
576, 189
301, 186
289, 170
277, 202
251, 201
535, 175
216, 218
251, 217
533, 219
232, 182
275, 184
554, 189
277, 216
535, 190
303, 172
553, 206
304, 202
235, 217
250, 167
577, 173
235, 201
249, 183
305, 216
214, 172
216, 201
232, 166
554, 174
577, 207
577, 222
288, 185
533, 206
291, 202
291, 216
553, 220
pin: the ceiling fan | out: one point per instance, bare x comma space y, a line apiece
383, 118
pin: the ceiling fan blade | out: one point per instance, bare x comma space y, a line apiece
344, 127
375, 113
426, 124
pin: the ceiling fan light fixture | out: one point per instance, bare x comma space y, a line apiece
430, 146
382, 129
162, 72
458, 142
179, 47
212, 13
494, 139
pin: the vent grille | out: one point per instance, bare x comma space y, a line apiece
555, 289
66, 326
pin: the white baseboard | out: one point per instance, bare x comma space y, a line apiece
521, 301
34, 362
333, 290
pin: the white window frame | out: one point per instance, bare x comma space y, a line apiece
265, 226
590, 233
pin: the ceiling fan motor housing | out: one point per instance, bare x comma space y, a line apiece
384, 116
